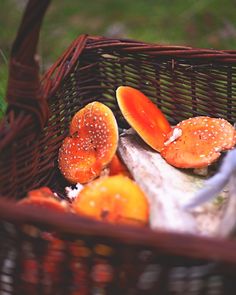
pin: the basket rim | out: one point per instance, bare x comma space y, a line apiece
57, 72
166, 242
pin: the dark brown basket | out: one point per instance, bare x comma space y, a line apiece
90, 257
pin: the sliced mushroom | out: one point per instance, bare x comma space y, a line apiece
144, 116
201, 142
116, 199
92, 143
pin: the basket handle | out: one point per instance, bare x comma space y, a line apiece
23, 90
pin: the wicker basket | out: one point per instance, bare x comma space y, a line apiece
88, 257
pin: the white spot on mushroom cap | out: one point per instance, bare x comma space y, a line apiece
92, 204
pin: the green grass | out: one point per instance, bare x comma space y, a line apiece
201, 23
3, 82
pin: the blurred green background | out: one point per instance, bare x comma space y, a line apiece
197, 23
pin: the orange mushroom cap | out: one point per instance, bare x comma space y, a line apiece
116, 199
201, 142
144, 116
92, 144
116, 166
97, 126
43, 197
77, 161
43, 191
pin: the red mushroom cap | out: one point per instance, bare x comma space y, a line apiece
117, 166
92, 144
78, 161
43, 191
144, 116
43, 197
201, 142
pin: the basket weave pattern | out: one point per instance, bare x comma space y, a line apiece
91, 258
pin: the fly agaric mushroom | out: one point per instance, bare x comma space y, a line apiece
43, 197
77, 162
43, 191
200, 142
116, 166
116, 199
143, 116
91, 145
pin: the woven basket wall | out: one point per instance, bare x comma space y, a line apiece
89, 257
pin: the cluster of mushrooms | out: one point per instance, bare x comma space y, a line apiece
91, 148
